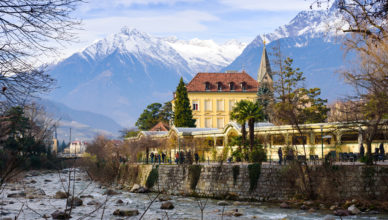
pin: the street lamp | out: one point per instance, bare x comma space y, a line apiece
322, 139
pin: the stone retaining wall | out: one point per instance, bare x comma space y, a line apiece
275, 182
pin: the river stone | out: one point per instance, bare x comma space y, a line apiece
129, 212
33, 181
308, 203
86, 196
111, 192
40, 192
47, 181
93, 202
341, 212
119, 201
311, 210
237, 214
354, 210
167, 205
135, 188
222, 203
60, 215
75, 200
304, 207
284, 205
16, 195
60, 195
164, 198
34, 173
142, 190
333, 207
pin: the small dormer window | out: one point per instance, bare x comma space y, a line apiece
219, 86
243, 86
207, 86
231, 85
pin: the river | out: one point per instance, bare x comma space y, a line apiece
41, 186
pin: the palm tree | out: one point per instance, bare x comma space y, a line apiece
238, 114
253, 113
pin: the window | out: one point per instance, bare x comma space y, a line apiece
195, 105
208, 105
207, 86
219, 86
220, 123
243, 86
231, 85
231, 104
208, 122
220, 105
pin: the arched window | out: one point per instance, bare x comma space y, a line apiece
219, 86
207, 86
231, 85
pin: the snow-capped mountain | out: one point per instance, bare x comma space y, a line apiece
312, 40
120, 75
313, 23
207, 55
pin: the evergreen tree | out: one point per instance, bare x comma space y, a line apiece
63, 145
183, 116
264, 98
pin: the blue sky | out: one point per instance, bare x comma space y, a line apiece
220, 20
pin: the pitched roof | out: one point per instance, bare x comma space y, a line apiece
161, 126
197, 84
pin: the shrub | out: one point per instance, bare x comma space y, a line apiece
254, 174
152, 177
194, 175
258, 155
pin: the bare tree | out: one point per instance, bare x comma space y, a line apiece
27, 29
367, 23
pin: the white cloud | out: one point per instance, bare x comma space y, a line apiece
269, 5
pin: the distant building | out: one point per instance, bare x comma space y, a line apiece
54, 146
77, 147
161, 126
213, 95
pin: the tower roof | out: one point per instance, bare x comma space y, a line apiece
265, 67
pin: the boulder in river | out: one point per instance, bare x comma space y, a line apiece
284, 205
126, 213
111, 192
135, 188
341, 212
164, 198
222, 203
167, 205
74, 201
354, 210
16, 195
93, 202
86, 196
60, 215
119, 201
61, 195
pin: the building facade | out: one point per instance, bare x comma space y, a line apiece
213, 95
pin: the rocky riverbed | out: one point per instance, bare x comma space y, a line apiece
43, 194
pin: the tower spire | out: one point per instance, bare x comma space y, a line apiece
264, 74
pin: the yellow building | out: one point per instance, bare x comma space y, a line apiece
213, 95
